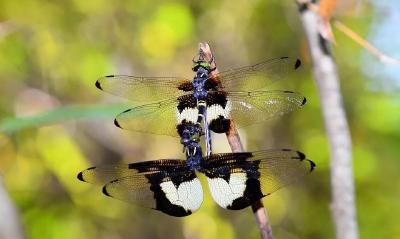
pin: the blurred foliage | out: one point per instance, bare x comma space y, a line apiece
11, 125
55, 123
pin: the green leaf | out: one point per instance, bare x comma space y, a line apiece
13, 125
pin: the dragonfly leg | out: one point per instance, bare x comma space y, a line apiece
207, 135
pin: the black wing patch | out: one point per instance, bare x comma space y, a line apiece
164, 185
237, 180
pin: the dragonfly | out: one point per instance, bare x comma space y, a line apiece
235, 180
214, 99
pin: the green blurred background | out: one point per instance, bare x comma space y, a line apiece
55, 123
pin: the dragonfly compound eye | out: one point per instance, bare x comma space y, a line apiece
203, 64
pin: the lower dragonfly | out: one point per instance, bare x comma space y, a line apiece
236, 180
214, 99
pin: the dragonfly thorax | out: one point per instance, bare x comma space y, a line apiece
194, 156
199, 84
190, 136
190, 140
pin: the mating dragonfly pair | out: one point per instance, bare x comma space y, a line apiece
190, 109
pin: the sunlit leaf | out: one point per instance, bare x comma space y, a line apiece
58, 115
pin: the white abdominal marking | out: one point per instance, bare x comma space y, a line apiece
216, 110
225, 193
188, 114
188, 195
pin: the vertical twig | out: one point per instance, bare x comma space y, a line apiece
10, 226
326, 76
236, 145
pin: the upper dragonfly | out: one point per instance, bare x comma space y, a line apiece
225, 96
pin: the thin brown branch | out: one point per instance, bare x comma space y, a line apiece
326, 75
235, 143
365, 44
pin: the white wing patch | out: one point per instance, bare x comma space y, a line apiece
225, 193
188, 114
216, 110
188, 195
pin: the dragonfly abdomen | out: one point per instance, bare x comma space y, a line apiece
218, 112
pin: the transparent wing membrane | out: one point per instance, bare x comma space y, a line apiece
151, 89
143, 89
156, 118
257, 76
245, 108
106, 173
254, 107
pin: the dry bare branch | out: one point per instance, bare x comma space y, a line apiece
326, 76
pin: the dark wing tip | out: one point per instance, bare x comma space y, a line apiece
98, 85
105, 192
304, 101
301, 155
297, 64
126, 111
117, 124
284, 57
80, 176
288, 91
312, 165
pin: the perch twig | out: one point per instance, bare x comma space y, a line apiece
236, 146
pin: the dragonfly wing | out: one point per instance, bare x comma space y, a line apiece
164, 117
144, 89
254, 107
247, 108
164, 185
237, 180
256, 76
106, 173
177, 194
